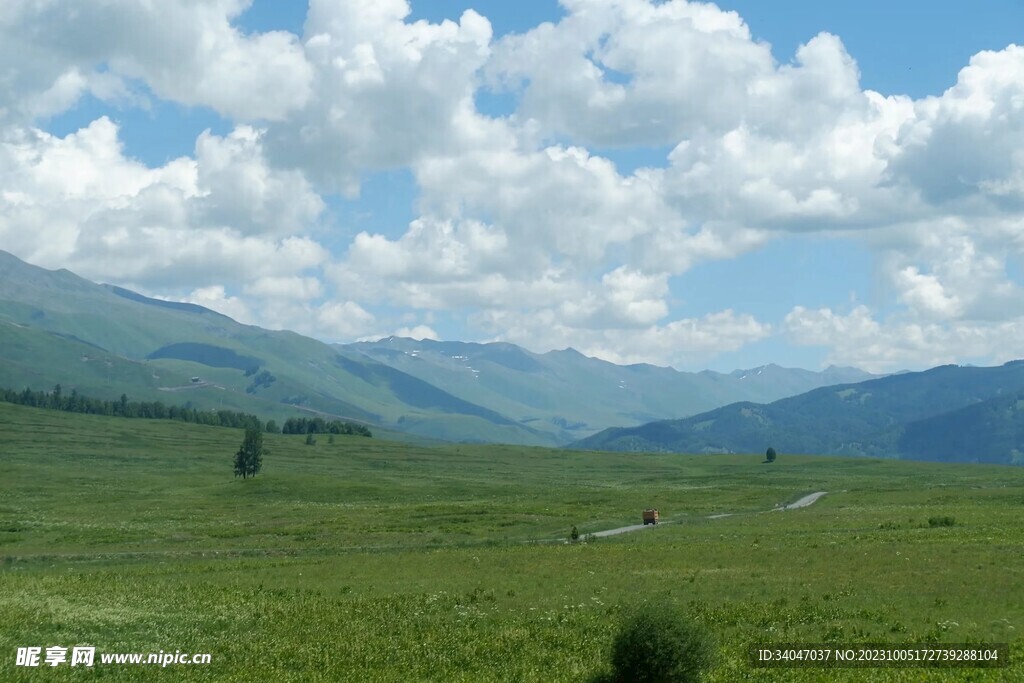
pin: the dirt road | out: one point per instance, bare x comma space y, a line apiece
807, 500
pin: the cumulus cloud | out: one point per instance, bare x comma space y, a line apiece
555, 201
239, 187
520, 224
79, 202
385, 91
338, 321
188, 52
217, 299
962, 150
631, 71
293, 310
858, 339
291, 288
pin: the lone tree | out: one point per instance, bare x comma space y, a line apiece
249, 458
769, 455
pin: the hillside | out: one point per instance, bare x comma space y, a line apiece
105, 341
570, 395
971, 434
951, 413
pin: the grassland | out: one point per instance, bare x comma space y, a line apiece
370, 560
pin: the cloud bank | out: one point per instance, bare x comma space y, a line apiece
525, 229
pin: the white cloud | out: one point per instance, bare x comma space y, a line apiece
962, 151
216, 298
339, 321
292, 288
555, 202
925, 293
858, 339
78, 202
521, 225
385, 92
183, 51
240, 189
688, 67
952, 269
280, 309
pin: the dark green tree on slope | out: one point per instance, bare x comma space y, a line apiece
769, 455
249, 458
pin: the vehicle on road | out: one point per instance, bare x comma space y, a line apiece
650, 516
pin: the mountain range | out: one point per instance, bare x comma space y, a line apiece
948, 413
103, 340
569, 395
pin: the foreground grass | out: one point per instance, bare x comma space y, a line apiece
376, 561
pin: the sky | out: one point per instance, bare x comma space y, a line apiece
676, 183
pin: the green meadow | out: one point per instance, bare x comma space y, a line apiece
369, 560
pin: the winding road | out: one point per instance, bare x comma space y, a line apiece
806, 501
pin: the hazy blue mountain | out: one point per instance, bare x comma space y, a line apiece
946, 413
569, 395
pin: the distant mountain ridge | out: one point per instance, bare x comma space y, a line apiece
951, 413
570, 395
56, 327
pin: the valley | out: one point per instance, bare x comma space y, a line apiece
391, 561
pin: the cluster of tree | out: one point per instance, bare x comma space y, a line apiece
317, 425
156, 410
262, 380
249, 458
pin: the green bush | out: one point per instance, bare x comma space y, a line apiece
945, 520
659, 644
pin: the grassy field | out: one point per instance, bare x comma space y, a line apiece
368, 560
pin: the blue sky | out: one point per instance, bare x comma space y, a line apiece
641, 181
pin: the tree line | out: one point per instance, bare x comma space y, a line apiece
317, 425
154, 410
157, 410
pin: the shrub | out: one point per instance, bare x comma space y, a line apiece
945, 520
574, 535
659, 644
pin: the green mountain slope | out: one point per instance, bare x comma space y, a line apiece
569, 395
990, 431
152, 349
948, 413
